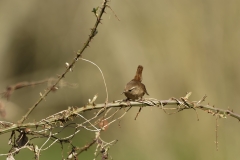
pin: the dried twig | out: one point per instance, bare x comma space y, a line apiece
10, 89
72, 112
69, 67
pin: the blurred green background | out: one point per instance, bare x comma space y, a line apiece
187, 45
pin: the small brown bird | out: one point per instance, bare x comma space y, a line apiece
135, 89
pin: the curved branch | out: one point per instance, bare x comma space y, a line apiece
72, 112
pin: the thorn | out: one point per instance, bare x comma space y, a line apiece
78, 52
67, 65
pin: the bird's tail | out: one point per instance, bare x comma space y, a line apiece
138, 76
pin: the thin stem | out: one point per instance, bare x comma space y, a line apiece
70, 66
71, 113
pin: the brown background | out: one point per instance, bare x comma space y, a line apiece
187, 45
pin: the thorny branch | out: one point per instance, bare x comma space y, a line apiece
61, 119
69, 67
50, 126
73, 112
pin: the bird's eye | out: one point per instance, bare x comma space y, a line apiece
130, 90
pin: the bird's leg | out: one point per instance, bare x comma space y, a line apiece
127, 101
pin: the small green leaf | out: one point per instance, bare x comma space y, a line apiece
95, 10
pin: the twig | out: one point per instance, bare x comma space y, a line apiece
10, 89
71, 113
71, 65
216, 131
101, 74
86, 147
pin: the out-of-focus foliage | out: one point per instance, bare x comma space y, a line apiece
186, 45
